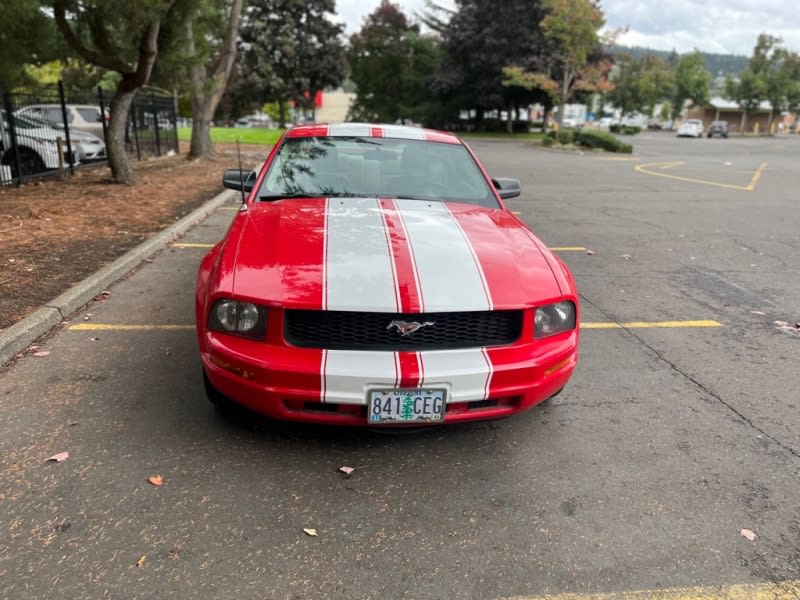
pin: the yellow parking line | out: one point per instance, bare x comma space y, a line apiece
516, 212
672, 165
568, 249
236, 208
650, 325
117, 327
785, 590
729, 186
188, 245
590, 325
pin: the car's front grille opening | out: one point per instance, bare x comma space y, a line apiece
343, 330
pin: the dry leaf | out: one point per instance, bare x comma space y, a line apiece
156, 480
757, 312
60, 457
42, 353
141, 561
749, 534
311, 532
590, 252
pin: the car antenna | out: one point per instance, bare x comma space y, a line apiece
241, 177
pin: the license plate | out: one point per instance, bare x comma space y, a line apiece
406, 406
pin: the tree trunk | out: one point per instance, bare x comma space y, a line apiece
744, 122
207, 90
510, 120
282, 113
121, 170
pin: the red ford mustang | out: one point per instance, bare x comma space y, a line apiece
374, 277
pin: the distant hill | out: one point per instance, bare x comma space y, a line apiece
719, 65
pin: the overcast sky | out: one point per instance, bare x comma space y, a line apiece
724, 26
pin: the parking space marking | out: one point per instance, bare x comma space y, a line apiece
586, 325
236, 208
191, 245
784, 590
120, 327
651, 325
672, 165
645, 169
567, 249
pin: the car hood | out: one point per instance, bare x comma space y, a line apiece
365, 254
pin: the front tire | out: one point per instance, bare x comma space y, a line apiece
30, 163
220, 401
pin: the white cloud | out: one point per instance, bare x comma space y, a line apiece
723, 26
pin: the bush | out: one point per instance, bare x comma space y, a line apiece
564, 137
547, 141
602, 140
624, 129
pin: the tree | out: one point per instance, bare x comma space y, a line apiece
27, 37
478, 41
692, 82
121, 37
748, 92
573, 26
627, 93
657, 82
391, 65
291, 50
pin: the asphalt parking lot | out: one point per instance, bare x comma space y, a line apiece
679, 430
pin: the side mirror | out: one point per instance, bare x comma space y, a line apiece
507, 188
239, 180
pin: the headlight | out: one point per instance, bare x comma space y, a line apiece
240, 318
554, 318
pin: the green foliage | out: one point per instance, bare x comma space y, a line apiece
564, 136
28, 38
719, 65
601, 140
479, 39
692, 82
290, 47
391, 65
624, 129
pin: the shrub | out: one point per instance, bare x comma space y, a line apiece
547, 141
602, 140
565, 137
615, 128
624, 129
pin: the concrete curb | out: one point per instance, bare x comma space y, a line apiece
20, 335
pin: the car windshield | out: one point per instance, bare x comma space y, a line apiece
375, 167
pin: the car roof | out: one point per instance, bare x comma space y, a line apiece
372, 130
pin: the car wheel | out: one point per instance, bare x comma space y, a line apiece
30, 163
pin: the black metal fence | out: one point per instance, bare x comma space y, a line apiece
46, 132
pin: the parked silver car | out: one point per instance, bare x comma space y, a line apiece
83, 117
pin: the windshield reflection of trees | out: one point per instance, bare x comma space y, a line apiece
301, 168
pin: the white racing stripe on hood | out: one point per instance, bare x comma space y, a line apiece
450, 275
359, 272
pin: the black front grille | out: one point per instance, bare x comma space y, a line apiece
340, 330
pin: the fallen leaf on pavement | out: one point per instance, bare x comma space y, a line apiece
60, 457
347, 470
141, 561
590, 252
42, 353
311, 532
156, 480
757, 312
749, 534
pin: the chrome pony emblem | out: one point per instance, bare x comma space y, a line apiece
407, 328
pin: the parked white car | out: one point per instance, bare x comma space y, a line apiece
36, 146
691, 128
83, 117
87, 146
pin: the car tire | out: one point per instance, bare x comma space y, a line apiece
29, 162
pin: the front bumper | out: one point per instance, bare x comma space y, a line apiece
290, 383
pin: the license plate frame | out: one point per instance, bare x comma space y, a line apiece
403, 406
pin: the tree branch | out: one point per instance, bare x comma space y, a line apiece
113, 63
